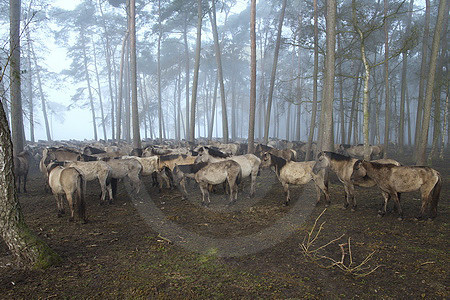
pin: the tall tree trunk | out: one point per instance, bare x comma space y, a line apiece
26, 248
187, 70
121, 84
213, 110
16, 97
127, 125
386, 79
218, 51
315, 73
401, 135
341, 92
108, 67
327, 142
366, 83
233, 109
422, 78
421, 153
30, 85
99, 92
196, 70
134, 101
160, 116
41, 93
274, 71
88, 81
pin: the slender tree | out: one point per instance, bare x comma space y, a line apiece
134, 101
251, 125
274, 71
196, 70
421, 151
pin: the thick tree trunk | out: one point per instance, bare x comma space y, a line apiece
422, 78
16, 97
421, 153
273, 74
27, 250
134, 101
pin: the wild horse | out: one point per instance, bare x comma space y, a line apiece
399, 179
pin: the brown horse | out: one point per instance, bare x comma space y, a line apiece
21, 166
342, 166
287, 154
399, 179
69, 182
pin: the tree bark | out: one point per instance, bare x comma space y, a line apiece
134, 101
186, 51
421, 153
327, 142
251, 125
27, 250
15, 95
120, 96
30, 85
422, 78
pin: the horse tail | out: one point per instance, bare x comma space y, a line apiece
81, 188
435, 192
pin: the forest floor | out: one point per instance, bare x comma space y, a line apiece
156, 245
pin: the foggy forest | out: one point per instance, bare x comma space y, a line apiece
382, 51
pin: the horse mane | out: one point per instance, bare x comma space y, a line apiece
337, 156
278, 162
198, 166
216, 152
168, 157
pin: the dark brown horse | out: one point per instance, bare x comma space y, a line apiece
21, 166
342, 166
400, 179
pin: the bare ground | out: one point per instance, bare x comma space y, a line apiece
119, 254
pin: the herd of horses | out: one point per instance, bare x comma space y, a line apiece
67, 169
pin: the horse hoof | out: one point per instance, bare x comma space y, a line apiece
400, 218
380, 215
286, 203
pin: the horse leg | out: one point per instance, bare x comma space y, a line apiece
59, 205
233, 189
183, 188
351, 195
204, 190
252, 183
322, 185
382, 210
103, 188
113, 189
397, 203
286, 192
69, 197
25, 182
